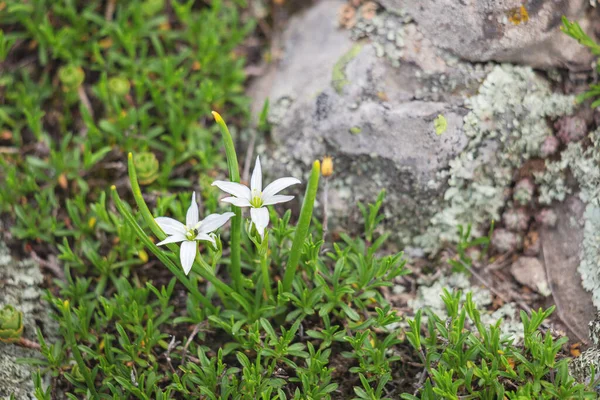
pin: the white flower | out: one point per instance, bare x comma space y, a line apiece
192, 231
255, 197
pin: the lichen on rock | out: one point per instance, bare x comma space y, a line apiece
507, 125
386, 32
21, 288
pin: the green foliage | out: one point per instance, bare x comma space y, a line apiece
280, 318
96, 86
573, 29
119, 341
463, 358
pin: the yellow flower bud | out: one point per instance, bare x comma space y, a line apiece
327, 166
143, 256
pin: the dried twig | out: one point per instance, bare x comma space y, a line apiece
170, 348
110, 10
50, 264
249, 154
30, 344
189, 341
325, 208
85, 100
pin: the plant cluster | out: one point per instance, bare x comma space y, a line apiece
84, 82
152, 308
464, 359
573, 29
281, 328
116, 343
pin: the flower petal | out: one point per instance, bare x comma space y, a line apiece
191, 218
256, 180
260, 218
277, 186
276, 199
236, 189
236, 201
176, 238
208, 238
213, 222
187, 255
170, 226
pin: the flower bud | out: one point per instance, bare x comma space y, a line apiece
327, 166
11, 324
71, 76
119, 86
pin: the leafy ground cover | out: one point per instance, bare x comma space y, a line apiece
105, 120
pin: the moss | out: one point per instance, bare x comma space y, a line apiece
506, 126
338, 75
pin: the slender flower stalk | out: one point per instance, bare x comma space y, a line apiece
194, 230
255, 197
236, 222
263, 251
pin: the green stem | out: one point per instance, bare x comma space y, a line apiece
236, 221
264, 266
302, 227
83, 368
178, 272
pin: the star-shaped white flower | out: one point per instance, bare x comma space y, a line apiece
192, 231
255, 197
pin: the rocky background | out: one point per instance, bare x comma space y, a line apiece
364, 81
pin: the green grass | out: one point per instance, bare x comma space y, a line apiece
82, 86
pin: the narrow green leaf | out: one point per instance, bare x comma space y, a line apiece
302, 227
236, 221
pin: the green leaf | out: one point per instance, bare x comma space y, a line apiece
302, 227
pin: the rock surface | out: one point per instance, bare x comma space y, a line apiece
19, 283
561, 250
333, 96
502, 31
529, 271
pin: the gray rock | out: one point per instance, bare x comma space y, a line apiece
330, 95
481, 30
561, 251
529, 271
19, 286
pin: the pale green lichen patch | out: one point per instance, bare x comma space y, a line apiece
386, 33
506, 126
338, 75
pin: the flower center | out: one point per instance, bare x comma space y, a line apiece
191, 234
256, 201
